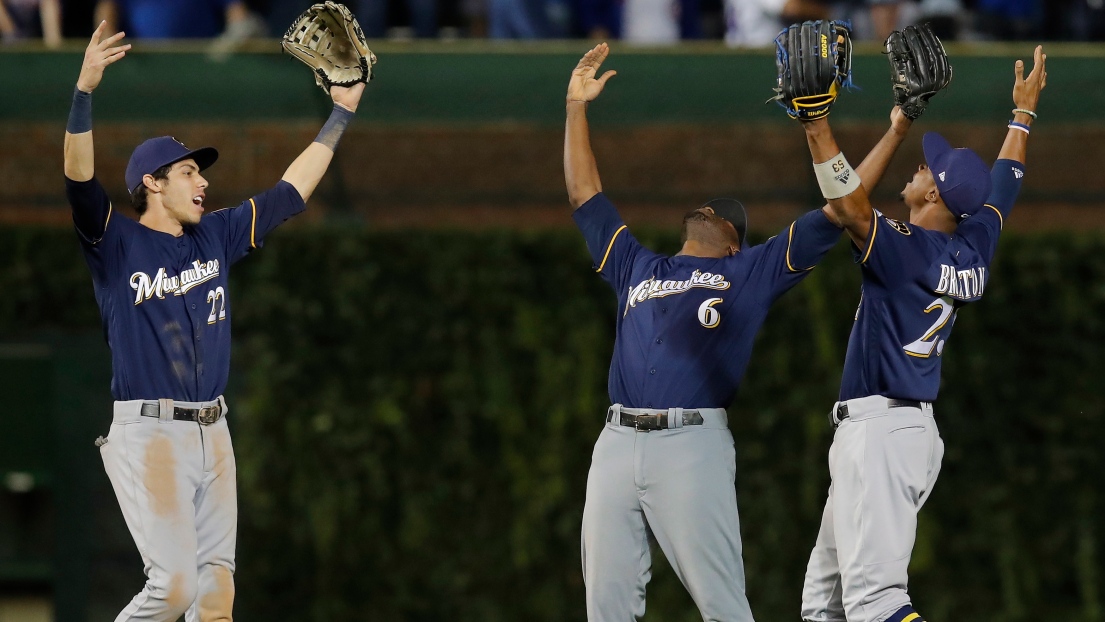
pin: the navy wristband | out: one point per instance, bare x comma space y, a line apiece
334, 127
80, 115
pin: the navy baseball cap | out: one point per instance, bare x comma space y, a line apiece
962, 178
733, 211
163, 151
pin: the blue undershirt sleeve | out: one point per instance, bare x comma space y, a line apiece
91, 209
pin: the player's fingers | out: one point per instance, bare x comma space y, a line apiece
115, 50
606, 76
1019, 70
112, 39
114, 57
603, 51
96, 33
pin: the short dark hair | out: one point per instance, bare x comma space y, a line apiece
139, 195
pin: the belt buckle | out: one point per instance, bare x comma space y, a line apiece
208, 415
646, 423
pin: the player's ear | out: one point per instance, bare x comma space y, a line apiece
933, 195
153, 185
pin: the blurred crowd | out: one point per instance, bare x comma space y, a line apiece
738, 22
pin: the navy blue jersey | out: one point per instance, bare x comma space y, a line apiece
164, 300
914, 282
686, 324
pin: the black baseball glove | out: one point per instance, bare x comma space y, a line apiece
814, 60
918, 66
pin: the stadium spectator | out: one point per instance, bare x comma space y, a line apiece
755, 23
661, 21
1016, 20
177, 19
872, 20
516, 19
942, 16
27, 19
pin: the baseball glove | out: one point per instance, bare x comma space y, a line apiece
329, 40
919, 67
814, 60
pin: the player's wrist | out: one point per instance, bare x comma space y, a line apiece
80, 114
335, 126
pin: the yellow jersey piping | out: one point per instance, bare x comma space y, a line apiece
609, 247
1001, 219
253, 224
871, 242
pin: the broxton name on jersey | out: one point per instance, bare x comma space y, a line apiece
686, 324
914, 282
163, 299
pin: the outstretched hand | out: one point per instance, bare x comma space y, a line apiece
899, 121
98, 55
584, 87
1026, 91
347, 97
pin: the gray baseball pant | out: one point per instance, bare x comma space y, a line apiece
677, 484
175, 484
884, 463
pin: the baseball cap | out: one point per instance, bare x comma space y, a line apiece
733, 211
163, 151
962, 178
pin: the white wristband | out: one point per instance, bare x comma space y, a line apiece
836, 177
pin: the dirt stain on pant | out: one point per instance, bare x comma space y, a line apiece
218, 604
160, 480
175, 598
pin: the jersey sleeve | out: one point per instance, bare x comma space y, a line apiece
249, 223
786, 259
613, 248
101, 232
981, 231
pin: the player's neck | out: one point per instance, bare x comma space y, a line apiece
158, 219
697, 248
934, 217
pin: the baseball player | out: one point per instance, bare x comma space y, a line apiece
886, 450
665, 462
162, 286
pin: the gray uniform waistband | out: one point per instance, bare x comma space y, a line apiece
873, 406
670, 418
169, 410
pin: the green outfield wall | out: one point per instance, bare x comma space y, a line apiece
481, 83
414, 415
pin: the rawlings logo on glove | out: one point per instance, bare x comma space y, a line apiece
918, 66
813, 59
328, 39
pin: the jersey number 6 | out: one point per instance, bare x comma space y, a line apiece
708, 316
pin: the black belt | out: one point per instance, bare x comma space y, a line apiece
659, 421
842, 408
205, 415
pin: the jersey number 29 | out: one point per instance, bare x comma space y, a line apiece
932, 340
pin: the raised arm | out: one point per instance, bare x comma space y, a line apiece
846, 192
307, 170
79, 161
1026, 95
581, 173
